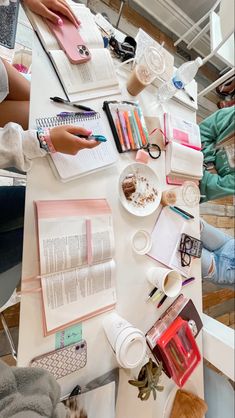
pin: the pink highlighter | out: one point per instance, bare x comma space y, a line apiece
69, 39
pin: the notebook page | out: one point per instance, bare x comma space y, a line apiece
182, 131
97, 73
86, 160
165, 236
88, 29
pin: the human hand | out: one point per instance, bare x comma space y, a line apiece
64, 140
48, 9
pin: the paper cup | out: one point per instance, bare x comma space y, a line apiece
128, 342
168, 281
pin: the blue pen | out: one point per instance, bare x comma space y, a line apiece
179, 213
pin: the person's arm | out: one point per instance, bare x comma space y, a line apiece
18, 147
214, 186
214, 129
50, 8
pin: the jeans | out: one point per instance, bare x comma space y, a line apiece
12, 200
218, 255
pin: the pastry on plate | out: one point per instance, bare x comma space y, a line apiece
188, 405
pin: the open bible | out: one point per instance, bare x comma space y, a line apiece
95, 78
76, 246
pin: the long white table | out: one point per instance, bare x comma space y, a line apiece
132, 286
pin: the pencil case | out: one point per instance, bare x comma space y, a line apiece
127, 124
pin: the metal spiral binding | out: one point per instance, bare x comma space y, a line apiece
63, 120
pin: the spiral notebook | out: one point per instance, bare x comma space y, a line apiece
70, 167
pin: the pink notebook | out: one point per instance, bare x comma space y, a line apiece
77, 270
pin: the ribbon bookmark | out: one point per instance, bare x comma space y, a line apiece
88, 242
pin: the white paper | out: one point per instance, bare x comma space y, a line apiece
94, 74
69, 295
183, 161
63, 242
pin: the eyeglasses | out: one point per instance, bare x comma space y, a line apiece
186, 245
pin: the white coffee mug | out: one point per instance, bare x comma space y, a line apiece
166, 280
128, 342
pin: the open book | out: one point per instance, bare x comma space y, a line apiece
181, 131
183, 163
166, 237
95, 78
76, 246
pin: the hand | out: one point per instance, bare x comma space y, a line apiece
46, 8
64, 140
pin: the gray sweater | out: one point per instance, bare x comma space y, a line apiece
29, 393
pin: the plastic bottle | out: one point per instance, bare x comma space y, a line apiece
184, 75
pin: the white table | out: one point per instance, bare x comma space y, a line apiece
132, 286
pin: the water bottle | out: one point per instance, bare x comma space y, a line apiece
184, 75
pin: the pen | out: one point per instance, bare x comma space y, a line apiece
99, 138
183, 211
189, 95
157, 296
57, 99
152, 292
66, 114
179, 212
191, 279
162, 301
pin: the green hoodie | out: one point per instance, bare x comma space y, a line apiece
217, 136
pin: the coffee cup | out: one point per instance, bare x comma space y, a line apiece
166, 280
150, 65
127, 342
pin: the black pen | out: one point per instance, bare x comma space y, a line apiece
184, 212
162, 301
57, 99
152, 292
189, 95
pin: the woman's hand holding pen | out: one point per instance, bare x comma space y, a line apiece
66, 139
50, 8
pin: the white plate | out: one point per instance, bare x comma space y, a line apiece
189, 386
147, 196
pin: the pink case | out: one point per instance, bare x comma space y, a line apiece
63, 361
70, 41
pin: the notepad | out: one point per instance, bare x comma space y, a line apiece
70, 167
77, 269
166, 237
181, 131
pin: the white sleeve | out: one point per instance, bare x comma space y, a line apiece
18, 147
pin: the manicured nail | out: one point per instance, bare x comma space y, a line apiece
89, 132
60, 22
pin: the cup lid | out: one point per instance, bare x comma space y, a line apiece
155, 59
132, 350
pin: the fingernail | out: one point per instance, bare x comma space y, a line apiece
60, 22
89, 132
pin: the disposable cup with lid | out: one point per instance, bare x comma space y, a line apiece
130, 348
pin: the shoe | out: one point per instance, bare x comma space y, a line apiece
227, 88
225, 103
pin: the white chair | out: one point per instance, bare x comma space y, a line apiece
221, 32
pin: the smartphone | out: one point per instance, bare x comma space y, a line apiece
63, 361
70, 40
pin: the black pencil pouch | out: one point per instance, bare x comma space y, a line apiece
127, 124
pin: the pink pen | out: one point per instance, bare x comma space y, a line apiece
124, 129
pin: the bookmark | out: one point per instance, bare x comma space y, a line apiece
88, 242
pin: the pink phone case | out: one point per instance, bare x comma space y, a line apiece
70, 41
63, 361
